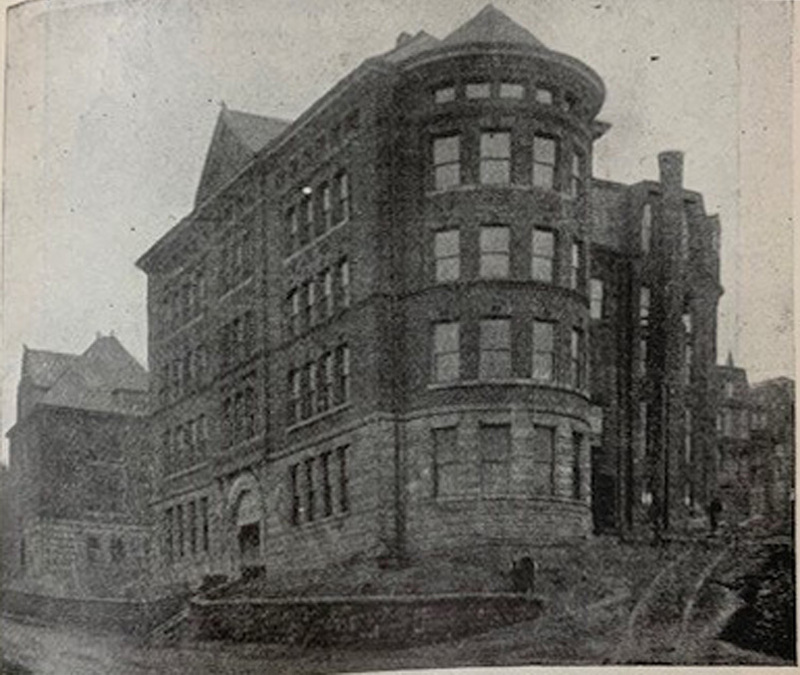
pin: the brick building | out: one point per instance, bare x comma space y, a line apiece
373, 335
78, 466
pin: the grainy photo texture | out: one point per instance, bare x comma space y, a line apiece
385, 335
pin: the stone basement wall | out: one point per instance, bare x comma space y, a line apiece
376, 621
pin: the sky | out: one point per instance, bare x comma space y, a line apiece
110, 108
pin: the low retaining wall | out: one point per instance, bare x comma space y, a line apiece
132, 617
357, 621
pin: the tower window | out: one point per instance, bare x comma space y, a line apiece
543, 250
543, 350
495, 157
446, 351
511, 90
544, 161
494, 251
479, 90
445, 94
447, 255
544, 95
495, 346
647, 228
446, 162
596, 298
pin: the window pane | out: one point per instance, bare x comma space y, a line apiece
448, 367
494, 240
511, 90
495, 334
446, 337
446, 243
478, 90
495, 144
494, 266
446, 149
447, 176
596, 295
543, 176
445, 444
495, 171
495, 365
494, 478
448, 269
544, 149
542, 366
542, 269
455, 478
543, 336
445, 94
544, 96
544, 243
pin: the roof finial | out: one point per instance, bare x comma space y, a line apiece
730, 359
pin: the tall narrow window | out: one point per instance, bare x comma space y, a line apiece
313, 402
495, 166
446, 162
294, 397
545, 446
446, 249
647, 228
576, 174
495, 346
577, 359
327, 495
93, 549
644, 305
327, 207
344, 496
596, 298
169, 551
192, 527
448, 465
204, 542
343, 373
179, 526
344, 284
342, 213
495, 447
326, 382
544, 161
577, 442
294, 311
643, 354
577, 281
327, 293
311, 301
543, 350
306, 217
543, 255
310, 496
295, 492
494, 251
446, 352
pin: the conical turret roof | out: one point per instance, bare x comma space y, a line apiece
491, 25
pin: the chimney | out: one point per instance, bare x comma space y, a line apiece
402, 39
670, 165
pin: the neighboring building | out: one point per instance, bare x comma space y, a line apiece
369, 338
79, 472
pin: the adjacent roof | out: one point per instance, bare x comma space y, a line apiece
491, 25
237, 137
105, 378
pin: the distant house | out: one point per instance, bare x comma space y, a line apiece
79, 471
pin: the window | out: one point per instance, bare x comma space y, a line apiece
729, 390
643, 355
447, 255
295, 492
93, 549
495, 445
576, 278
327, 294
343, 198
445, 94
544, 440
644, 412
494, 251
576, 174
448, 468
544, 96
344, 283
577, 359
343, 373
310, 497
446, 162
310, 297
327, 495
577, 442
543, 350
495, 345
327, 208
687, 439
647, 228
344, 497
179, 529
294, 311
192, 514
168, 540
204, 524
311, 378
544, 161
596, 298
511, 90
544, 251
446, 352
479, 90
326, 382
644, 305
307, 218
294, 397
495, 158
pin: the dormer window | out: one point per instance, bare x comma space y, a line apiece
511, 90
479, 90
445, 94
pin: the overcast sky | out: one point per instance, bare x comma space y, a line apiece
111, 105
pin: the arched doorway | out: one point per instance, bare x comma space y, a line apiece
248, 532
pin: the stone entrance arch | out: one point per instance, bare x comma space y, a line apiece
246, 517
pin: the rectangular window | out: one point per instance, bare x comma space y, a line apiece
479, 90
577, 442
344, 198
310, 497
647, 228
344, 283
311, 300
344, 497
446, 249
494, 251
327, 208
179, 527
448, 478
445, 94
511, 90
643, 355
327, 293
495, 166
446, 352
307, 217
543, 350
168, 541
576, 266
543, 255
295, 492
204, 543
687, 439
495, 346
192, 525
596, 298
326, 382
644, 305
577, 359
93, 549
294, 311
446, 162
544, 161
294, 397
313, 402
495, 446
544, 96
576, 174
343, 373
327, 495
544, 440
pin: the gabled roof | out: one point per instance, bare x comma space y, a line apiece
42, 368
237, 137
491, 25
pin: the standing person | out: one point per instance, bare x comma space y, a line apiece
714, 509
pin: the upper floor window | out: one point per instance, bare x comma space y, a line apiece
307, 215
647, 228
445, 94
544, 161
577, 354
495, 346
494, 251
327, 207
343, 198
543, 254
344, 283
446, 351
327, 293
447, 161
576, 266
644, 305
294, 312
511, 90
544, 95
292, 229
479, 90
729, 390
449, 465
495, 157
494, 441
447, 255
576, 174
596, 298
543, 350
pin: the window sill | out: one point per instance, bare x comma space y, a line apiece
314, 242
319, 416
